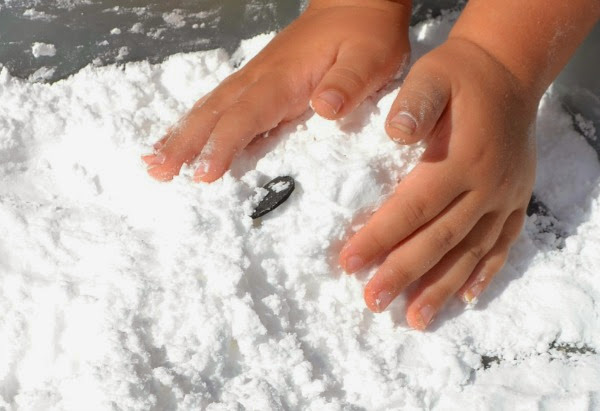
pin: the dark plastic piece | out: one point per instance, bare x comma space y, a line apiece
537, 207
279, 189
548, 223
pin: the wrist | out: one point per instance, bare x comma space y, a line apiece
469, 60
533, 40
524, 72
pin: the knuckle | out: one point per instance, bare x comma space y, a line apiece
416, 102
476, 253
415, 212
442, 292
244, 106
237, 80
209, 104
201, 102
425, 101
244, 113
445, 237
377, 241
349, 77
399, 275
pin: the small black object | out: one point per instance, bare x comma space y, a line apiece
546, 221
279, 189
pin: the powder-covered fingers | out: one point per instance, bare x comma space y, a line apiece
185, 140
438, 285
260, 108
494, 260
407, 210
423, 250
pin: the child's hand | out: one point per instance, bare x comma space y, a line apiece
452, 220
336, 54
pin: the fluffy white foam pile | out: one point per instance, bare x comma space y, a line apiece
119, 292
42, 49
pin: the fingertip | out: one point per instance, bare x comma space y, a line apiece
403, 128
420, 103
399, 137
207, 172
351, 262
404, 122
401, 134
412, 320
472, 293
420, 317
154, 159
208, 178
147, 158
343, 265
377, 299
371, 301
160, 173
328, 104
161, 143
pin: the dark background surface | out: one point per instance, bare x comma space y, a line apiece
81, 32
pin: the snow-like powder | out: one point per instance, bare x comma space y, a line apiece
121, 293
42, 49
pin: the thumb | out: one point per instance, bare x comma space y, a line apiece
420, 103
356, 74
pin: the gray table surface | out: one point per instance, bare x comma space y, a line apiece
154, 29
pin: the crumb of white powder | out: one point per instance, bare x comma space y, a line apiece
43, 50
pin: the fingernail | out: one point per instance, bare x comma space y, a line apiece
154, 159
470, 296
333, 99
201, 170
404, 122
354, 263
158, 145
384, 298
426, 315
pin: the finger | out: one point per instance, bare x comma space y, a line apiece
157, 158
260, 108
175, 128
160, 143
187, 138
406, 211
421, 101
494, 260
355, 75
446, 278
422, 251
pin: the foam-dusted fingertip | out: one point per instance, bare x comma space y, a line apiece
401, 134
161, 173
328, 104
208, 171
377, 300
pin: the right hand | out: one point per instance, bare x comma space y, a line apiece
337, 53
449, 225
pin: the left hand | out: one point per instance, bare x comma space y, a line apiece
337, 53
451, 222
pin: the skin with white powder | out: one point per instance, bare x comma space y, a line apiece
117, 291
